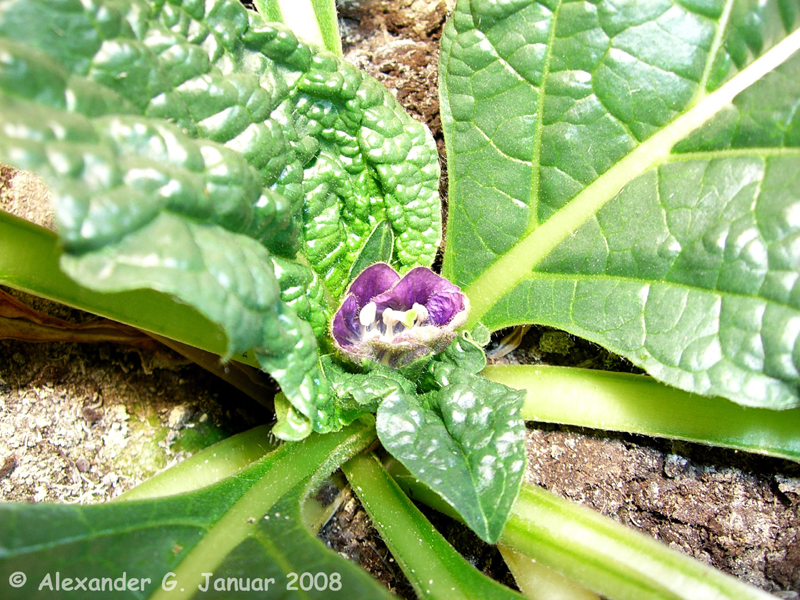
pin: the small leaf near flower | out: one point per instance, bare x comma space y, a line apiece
396, 320
464, 440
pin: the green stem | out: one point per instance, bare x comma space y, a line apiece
538, 582
430, 563
313, 21
638, 404
325, 11
211, 465
534, 579
597, 552
279, 471
29, 261
609, 558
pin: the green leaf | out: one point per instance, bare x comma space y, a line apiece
228, 278
351, 396
304, 293
246, 526
360, 393
465, 353
373, 163
40, 274
466, 442
181, 142
628, 173
431, 564
379, 248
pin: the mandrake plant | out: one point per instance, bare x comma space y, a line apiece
628, 172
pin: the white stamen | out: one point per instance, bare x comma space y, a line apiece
368, 319
422, 313
390, 318
367, 315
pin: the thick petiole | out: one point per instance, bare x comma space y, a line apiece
638, 404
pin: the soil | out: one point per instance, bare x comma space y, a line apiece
83, 423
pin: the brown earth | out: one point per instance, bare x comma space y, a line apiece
82, 423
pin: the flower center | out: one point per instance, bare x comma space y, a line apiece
391, 321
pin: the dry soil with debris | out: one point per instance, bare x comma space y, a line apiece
82, 423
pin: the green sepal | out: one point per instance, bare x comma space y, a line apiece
415, 370
465, 353
481, 334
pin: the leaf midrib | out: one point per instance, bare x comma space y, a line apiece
240, 521
578, 277
516, 264
109, 532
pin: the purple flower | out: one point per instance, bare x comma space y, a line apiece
393, 320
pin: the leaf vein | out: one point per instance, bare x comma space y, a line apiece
714, 50
533, 216
629, 279
516, 264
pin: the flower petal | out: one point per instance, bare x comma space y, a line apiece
416, 286
444, 305
344, 328
372, 281
396, 321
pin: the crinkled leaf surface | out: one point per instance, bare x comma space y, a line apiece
466, 441
356, 393
374, 163
194, 149
352, 394
629, 172
247, 526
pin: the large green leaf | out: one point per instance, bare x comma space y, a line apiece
629, 172
194, 149
373, 163
246, 527
466, 441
